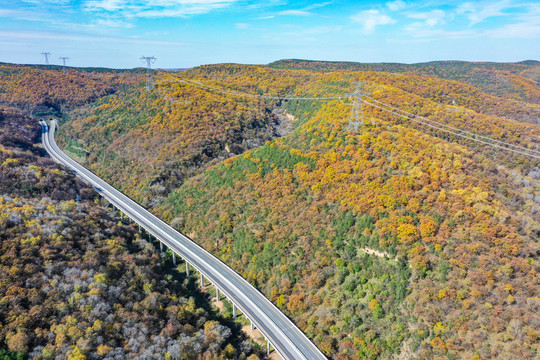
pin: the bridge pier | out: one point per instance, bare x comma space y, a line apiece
217, 294
149, 237
174, 258
160, 246
202, 280
233, 311
251, 324
187, 268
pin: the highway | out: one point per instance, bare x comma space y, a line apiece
288, 340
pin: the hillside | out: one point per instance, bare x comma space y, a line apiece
76, 283
298, 216
43, 90
398, 241
518, 81
148, 143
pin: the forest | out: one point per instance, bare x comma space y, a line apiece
517, 80
393, 242
457, 231
78, 283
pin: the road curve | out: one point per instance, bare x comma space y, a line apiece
289, 341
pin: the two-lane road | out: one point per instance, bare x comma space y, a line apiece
286, 338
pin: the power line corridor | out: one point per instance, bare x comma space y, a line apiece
359, 98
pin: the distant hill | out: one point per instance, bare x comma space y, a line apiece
42, 90
517, 80
400, 67
87, 69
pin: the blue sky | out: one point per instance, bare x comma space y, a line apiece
186, 33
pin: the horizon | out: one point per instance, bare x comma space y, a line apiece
142, 67
188, 33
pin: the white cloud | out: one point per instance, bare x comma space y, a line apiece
430, 19
525, 30
438, 34
23, 15
53, 2
157, 8
323, 30
528, 26
107, 5
113, 23
7, 12
241, 26
295, 13
396, 5
38, 35
319, 5
369, 19
479, 11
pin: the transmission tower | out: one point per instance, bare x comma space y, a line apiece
46, 54
357, 112
149, 61
63, 58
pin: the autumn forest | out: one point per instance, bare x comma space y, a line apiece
392, 241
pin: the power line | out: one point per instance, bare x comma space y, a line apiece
470, 135
357, 113
46, 54
240, 94
430, 124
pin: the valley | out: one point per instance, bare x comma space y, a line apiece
397, 241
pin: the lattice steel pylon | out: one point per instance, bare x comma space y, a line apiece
46, 55
149, 61
357, 112
63, 58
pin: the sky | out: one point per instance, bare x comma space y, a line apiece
187, 33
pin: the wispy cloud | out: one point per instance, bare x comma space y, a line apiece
516, 31
295, 13
440, 34
429, 19
527, 27
38, 35
106, 5
396, 5
438, 24
54, 2
319, 5
477, 12
369, 19
22, 14
323, 30
157, 8
112, 23
241, 26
